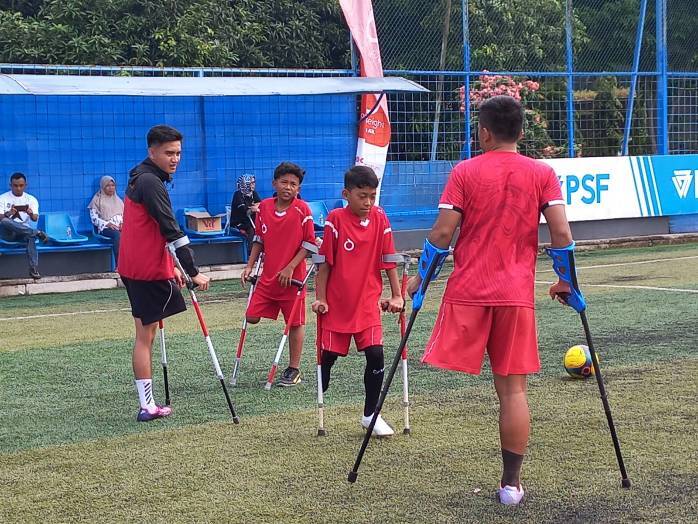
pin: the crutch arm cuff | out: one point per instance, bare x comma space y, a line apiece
430, 263
310, 247
565, 268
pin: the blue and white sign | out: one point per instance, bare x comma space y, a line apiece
628, 187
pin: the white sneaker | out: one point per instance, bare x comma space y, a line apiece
510, 495
381, 428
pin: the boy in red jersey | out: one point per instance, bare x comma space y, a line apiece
145, 266
488, 304
349, 285
284, 232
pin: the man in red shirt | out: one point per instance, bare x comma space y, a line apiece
349, 285
145, 265
284, 232
488, 305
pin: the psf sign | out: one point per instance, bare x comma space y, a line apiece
628, 187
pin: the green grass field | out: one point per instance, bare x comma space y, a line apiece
70, 449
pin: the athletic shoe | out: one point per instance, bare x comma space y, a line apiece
42, 236
381, 429
510, 495
290, 377
145, 415
34, 273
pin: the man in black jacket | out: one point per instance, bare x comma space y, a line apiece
145, 265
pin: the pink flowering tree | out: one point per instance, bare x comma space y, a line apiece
536, 141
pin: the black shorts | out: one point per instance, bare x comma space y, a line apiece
153, 300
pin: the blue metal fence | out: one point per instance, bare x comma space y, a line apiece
645, 102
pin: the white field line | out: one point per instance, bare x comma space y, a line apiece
618, 286
619, 264
92, 312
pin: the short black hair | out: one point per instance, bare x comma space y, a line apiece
162, 134
503, 116
286, 168
360, 176
17, 176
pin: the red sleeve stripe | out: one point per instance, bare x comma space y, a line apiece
553, 203
334, 229
451, 207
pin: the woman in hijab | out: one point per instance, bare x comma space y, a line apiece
243, 208
107, 212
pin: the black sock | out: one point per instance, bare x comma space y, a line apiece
512, 468
373, 377
328, 360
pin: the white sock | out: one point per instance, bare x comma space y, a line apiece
145, 393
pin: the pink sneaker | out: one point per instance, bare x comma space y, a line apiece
145, 415
510, 495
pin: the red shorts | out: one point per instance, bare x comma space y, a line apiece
463, 333
339, 342
263, 307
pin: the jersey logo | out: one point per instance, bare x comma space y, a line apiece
264, 229
365, 222
349, 245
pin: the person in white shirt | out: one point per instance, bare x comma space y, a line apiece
17, 209
107, 212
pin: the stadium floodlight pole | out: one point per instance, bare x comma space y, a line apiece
429, 266
243, 333
405, 260
296, 301
163, 361
204, 330
564, 266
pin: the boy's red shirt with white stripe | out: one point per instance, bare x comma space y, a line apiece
282, 233
353, 248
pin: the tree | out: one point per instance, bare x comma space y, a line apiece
511, 35
191, 33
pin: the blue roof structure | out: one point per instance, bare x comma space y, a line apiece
201, 86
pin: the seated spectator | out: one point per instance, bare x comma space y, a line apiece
18, 208
244, 207
107, 212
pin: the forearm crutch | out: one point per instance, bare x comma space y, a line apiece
163, 361
204, 330
564, 266
321, 432
296, 302
434, 265
243, 333
405, 260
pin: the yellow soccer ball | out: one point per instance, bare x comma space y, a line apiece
578, 362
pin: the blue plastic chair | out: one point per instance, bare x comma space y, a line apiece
336, 204
60, 229
320, 212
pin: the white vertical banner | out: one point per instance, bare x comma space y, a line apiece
374, 126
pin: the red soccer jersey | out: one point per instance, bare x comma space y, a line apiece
501, 196
354, 249
143, 253
282, 233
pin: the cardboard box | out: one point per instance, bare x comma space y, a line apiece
202, 221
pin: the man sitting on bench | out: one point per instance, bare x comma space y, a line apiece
18, 208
